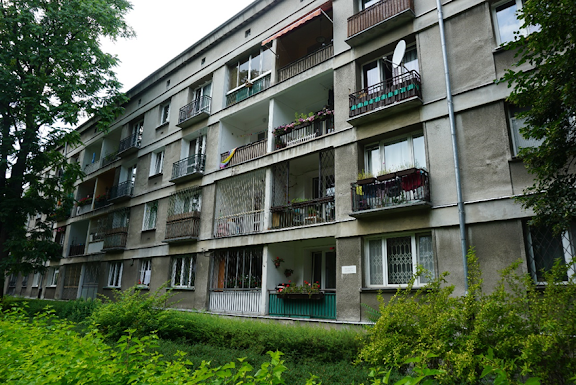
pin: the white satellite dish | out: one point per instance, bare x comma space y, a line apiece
399, 52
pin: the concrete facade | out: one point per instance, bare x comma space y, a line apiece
311, 206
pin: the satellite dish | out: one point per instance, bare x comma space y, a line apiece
399, 52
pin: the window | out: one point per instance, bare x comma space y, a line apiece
150, 215
324, 269
53, 278
201, 96
36, 280
544, 249
24, 281
165, 111
381, 70
249, 68
516, 124
115, 274
367, 3
394, 155
237, 269
145, 272
506, 21
183, 272
393, 261
156, 163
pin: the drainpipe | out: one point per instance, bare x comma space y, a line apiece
462, 220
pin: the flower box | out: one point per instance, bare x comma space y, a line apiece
314, 296
365, 181
408, 171
385, 177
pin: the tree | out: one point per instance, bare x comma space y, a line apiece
53, 72
548, 90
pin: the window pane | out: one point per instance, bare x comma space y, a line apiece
330, 271
508, 23
374, 165
399, 252
397, 156
233, 77
546, 249
419, 151
367, 3
243, 74
425, 255
317, 267
375, 256
255, 66
410, 60
267, 58
371, 74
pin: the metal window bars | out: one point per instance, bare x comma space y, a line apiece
194, 108
237, 269
117, 229
545, 248
183, 219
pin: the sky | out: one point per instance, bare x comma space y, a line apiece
163, 30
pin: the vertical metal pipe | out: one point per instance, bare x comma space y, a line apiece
462, 219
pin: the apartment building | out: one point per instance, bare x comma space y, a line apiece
289, 146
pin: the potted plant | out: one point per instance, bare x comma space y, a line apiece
365, 178
308, 290
288, 272
85, 201
277, 262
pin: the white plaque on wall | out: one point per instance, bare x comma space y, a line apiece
349, 269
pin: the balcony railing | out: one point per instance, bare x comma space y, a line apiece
236, 301
306, 63
324, 308
115, 239
183, 226
75, 250
109, 158
90, 168
393, 90
191, 166
305, 132
248, 90
101, 202
122, 190
244, 223
131, 143
244, 153
376, 14
402, 188
195, 108
310, 212
84, 209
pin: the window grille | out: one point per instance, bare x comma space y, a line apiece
281, 175
183, 272
150, 215
145, 272
237, 269
98, 229
117, 229
184, 201
326, 173
239, 204
118, 219
544, 249
71, 281
90, 280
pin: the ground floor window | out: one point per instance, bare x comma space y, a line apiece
53, 276
145, 272
392, 261
544, 249
237, 269
183, 272
115, 274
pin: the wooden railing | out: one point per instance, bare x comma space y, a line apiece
377, 13
194, 108
115, 239
248, 90
306, 63
238, 224
245, 153
186, 225
324, 308
319, 210
236, 301
393, 90
400, 188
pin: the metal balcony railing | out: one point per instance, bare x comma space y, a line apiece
132, 141
194, 108
309, 212
75, 250
115, 239
109, 158
248, 90
188, 166
377, 13
183, 226
394, 189
393, 90
306, 63
122, 190
244, 153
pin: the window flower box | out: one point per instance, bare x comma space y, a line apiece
365, 181
295, 296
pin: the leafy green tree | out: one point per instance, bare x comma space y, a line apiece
548, 91
53, 72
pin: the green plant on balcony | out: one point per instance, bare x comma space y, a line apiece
307, 288
84, 201
365, 175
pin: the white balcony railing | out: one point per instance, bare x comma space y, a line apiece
236, 301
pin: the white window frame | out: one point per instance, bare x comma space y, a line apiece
386, 60
382, 156
36, 280
420, 281
156, 163
569, 253
237, 66
115, 274
145, 272
190, 272
150, 211
361, 5
516, 124
54, 273
523, 31
165, 113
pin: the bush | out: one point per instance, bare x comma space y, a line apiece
531, 332
76, 311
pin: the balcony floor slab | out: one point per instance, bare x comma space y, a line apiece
411, 206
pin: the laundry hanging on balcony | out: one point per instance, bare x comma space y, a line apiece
225, 162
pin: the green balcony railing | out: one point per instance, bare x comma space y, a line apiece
324, 308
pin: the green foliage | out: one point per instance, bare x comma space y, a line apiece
75, 311
550, 96
142, 312
529, 330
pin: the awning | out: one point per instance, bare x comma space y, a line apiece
324, 7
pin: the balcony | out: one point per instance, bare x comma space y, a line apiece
183, 227
92, 167
129, 145
239, 224
188, 168
394, 95
243, 153
377, 19
324, 308
76, 250
115, 239
306, 63
400, 191
309, 212
286, 136
110, 158
194, 111
249, 89
121, 192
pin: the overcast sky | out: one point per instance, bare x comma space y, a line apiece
163, 30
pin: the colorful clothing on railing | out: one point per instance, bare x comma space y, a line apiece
225, 162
